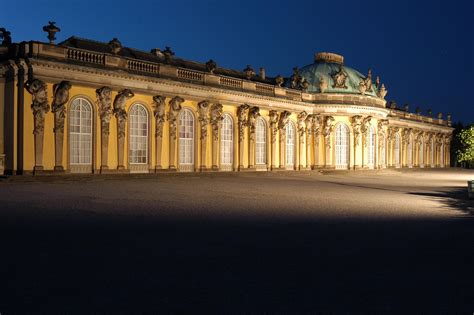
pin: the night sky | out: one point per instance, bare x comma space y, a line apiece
422, 50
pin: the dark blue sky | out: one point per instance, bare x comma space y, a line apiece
422, 50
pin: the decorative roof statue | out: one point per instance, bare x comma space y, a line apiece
382, 92
7, 40
440, 115
430, 112
51, 29
279, 80
418, 110
168, 53
211, 66
339, 78
392, 105
249, 72
157, 52
295, 79
406, 107
362, 87
304, 84
368, 81
377, 82
115, 46
323, 84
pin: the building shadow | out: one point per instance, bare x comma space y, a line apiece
453, 197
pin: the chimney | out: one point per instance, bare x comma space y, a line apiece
261, 73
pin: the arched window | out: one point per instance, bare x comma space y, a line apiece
138, 124
396, 151
383, 147
371, 147
80, 132
432, 161
342, 146
186, 139
261, 142
410, 151
421, 154
290, 144
441, 155
227, 142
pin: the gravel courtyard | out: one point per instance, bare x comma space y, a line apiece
385, 242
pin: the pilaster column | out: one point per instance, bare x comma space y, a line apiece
60, 98
120, 113
39, 106
216, 122
175, 108
356, 122
254, 113
284, 119
242, 112
328, 129
309, 132
317, 122
159, 106
104, 104
301, 135
203, 109
273, 129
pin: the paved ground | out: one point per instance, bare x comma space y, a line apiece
282, 242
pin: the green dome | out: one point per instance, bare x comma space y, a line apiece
326, 66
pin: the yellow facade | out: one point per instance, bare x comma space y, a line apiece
329, 130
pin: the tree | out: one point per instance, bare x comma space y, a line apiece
465, 152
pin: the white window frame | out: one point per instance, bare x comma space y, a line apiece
187, 132
341, 146
290, 147
138, 134
396, 151
227, 143
371, 147
80, 132
260, 142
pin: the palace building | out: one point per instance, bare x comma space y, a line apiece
82, 106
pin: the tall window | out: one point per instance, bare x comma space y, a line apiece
396, 151
441, 155
432, 161
342, 146
371, 147
138, 150
227, 143
420, 155
290, 144
383, 147
80, 132
186, 137
260, 142
410, 151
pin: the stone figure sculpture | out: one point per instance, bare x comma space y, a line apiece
203, 110
159, 106
40, 106
6, 38
60, 98
217, 116
211, 66
175, 108
119, 109
279, 80
254, 113
339, 78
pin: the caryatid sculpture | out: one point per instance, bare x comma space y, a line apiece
366, 127
120, 113
203, 111
328, 129
39, 106
273, 119
301, 122
159, 106
104, 104
60, 98
175, 108
284, 119
356, 122
217, 116
254, 113
242, 112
